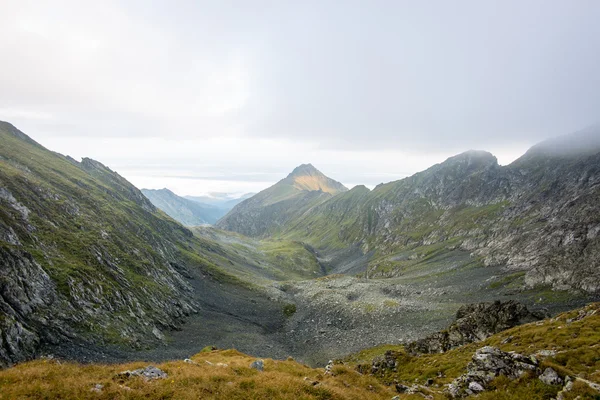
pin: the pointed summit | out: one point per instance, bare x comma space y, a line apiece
303, 188
306, 177
305, 170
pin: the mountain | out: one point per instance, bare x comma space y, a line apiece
185, 211
224, 201
90, 268
537, 218
265, 212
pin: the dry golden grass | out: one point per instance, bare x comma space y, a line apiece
48, 379
576, 342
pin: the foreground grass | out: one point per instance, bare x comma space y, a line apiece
228, 376
225, 374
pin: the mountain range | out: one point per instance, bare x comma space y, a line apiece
537, 217
91, 269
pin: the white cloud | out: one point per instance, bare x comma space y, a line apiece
367, 93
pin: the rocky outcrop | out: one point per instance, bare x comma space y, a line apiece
258, 365
550, 377
26, 295
475, 322
488, 363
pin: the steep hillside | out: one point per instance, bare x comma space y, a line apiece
554, 358
538, 217
87, 262
270, 210
187, 212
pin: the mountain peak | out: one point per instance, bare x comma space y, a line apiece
580, 143
306, 177
305, 170
10, 128
471, 160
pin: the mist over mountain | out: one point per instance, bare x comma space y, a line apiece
187, 212
224, 201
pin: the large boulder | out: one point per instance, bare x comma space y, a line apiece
474, 323
487, 363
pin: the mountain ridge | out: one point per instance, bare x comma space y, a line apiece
536, 215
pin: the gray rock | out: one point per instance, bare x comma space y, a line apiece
148, 373
258, 365
401, 388
476, 387
550, 377
487, 363
545, 353
475, 322
329, 367
97, 388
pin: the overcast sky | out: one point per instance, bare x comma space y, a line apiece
232, 95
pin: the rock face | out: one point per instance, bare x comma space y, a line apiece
265, 212
488, 363
79, 245
26, 296
475, 322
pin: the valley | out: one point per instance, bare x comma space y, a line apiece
93, 271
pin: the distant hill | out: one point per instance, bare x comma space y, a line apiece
188, 212
265, 212
225, 201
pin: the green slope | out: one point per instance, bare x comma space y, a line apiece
86, 258
539, 215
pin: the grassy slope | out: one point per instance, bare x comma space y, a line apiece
576, 343
260, 261
104, 245
75, 211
